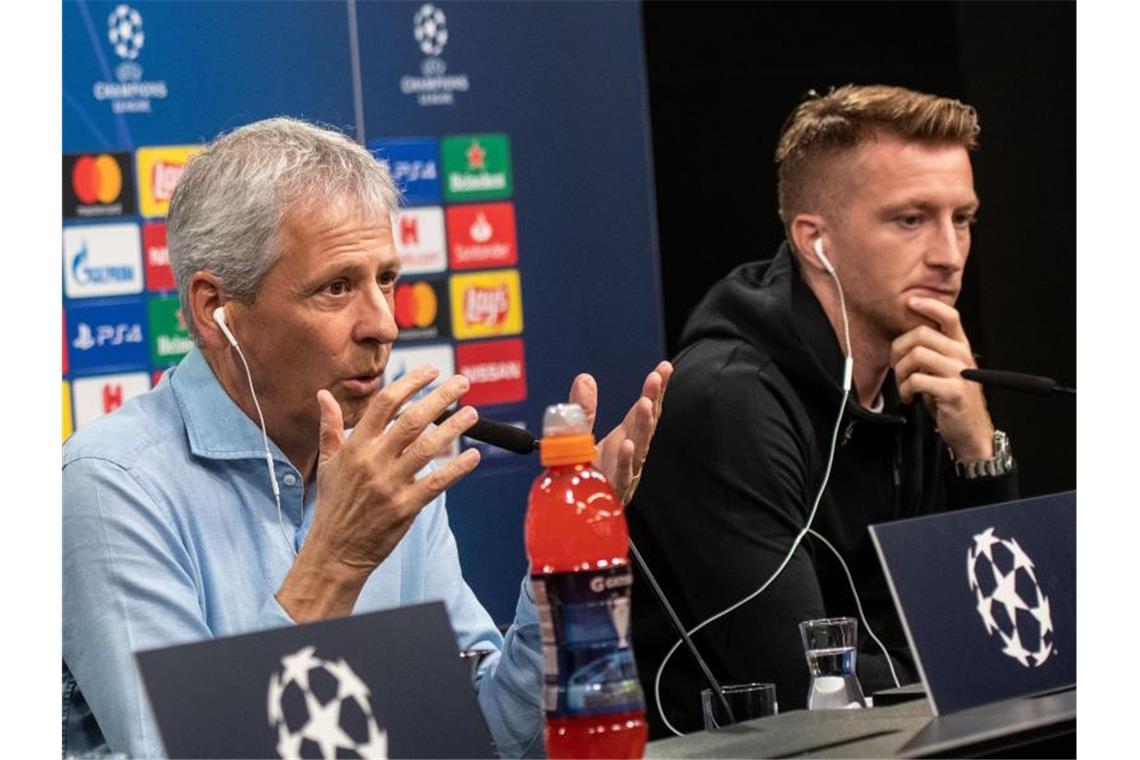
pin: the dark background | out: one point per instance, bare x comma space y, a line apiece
722, 78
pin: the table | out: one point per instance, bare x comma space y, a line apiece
1040, 725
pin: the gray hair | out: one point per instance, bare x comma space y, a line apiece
231, 198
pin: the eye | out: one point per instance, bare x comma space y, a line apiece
965, 220
909, 221
337, 287
388, 278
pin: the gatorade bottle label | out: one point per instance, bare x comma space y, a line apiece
589, 667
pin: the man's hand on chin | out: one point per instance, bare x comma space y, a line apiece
621, 454
929, 362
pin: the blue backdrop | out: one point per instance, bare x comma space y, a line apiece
564, 82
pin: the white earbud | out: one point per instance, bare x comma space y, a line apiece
220, 321
817, 246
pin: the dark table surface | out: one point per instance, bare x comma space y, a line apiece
906, 729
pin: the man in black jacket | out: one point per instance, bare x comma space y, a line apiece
876, 192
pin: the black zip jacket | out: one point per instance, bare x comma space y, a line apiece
732, 473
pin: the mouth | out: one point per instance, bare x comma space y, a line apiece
939, 292
362, 385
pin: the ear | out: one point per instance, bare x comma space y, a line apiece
804, 230
205, 297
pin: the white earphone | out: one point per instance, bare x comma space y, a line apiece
817, 246
219, 315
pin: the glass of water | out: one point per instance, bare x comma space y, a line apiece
829, 646
748, 702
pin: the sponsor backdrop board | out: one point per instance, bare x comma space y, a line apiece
518, 134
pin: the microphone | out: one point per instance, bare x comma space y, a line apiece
497, 434
1017, 381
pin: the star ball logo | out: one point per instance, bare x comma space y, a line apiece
1009, 599
97, 185
130, 94
321, 708
434, 86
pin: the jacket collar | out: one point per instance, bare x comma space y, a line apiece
217, 427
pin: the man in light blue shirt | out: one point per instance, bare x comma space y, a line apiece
231, 498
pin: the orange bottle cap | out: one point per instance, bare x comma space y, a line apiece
567, 449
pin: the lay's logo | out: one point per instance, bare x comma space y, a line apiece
159, 170
486, 304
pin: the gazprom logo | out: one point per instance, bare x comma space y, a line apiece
89, 275
102, 260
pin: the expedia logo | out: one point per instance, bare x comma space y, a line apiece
600, 583
486, 304
97, 185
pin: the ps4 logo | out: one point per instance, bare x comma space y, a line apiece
106, 335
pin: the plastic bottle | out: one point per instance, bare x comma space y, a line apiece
578, 545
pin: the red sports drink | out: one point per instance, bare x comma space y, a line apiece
578, 545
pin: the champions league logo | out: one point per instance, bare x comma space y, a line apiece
130, 94
321, 708
1009, 599
434, 86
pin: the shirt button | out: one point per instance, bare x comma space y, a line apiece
290, 479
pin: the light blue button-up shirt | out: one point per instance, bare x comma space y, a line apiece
171, 535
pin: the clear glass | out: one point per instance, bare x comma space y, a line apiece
747, 700
829, 647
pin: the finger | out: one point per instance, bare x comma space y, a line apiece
932, 339
430, 443
584, 393
625, 479
427, 488
640, 429
923, 359
939, 390
332, 427
384, 405
419, 415
665, 371
943, 313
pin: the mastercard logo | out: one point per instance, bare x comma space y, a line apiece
97, 179
416, 305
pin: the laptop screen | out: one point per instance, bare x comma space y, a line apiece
987, 597
383, 684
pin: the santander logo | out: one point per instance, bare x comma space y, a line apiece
487, 306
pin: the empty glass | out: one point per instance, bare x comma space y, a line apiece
747, 700
829, 647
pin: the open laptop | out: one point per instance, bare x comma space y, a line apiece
987, 597
383, 684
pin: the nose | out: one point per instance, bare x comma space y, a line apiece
375, 320
949, 247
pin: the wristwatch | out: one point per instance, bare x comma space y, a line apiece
1001, 463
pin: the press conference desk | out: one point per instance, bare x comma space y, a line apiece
1037, 726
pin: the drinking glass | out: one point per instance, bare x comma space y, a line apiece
747, 700
829, 647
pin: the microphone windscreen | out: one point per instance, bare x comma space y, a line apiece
498, 434
1015, 381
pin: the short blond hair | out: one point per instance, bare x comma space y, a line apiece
823, 127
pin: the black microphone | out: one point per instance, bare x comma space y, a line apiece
1017, 381
497, 434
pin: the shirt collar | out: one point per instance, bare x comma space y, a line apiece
216, 426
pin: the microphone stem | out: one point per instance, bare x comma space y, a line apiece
676, 621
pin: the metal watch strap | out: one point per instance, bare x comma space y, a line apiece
1000, 464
